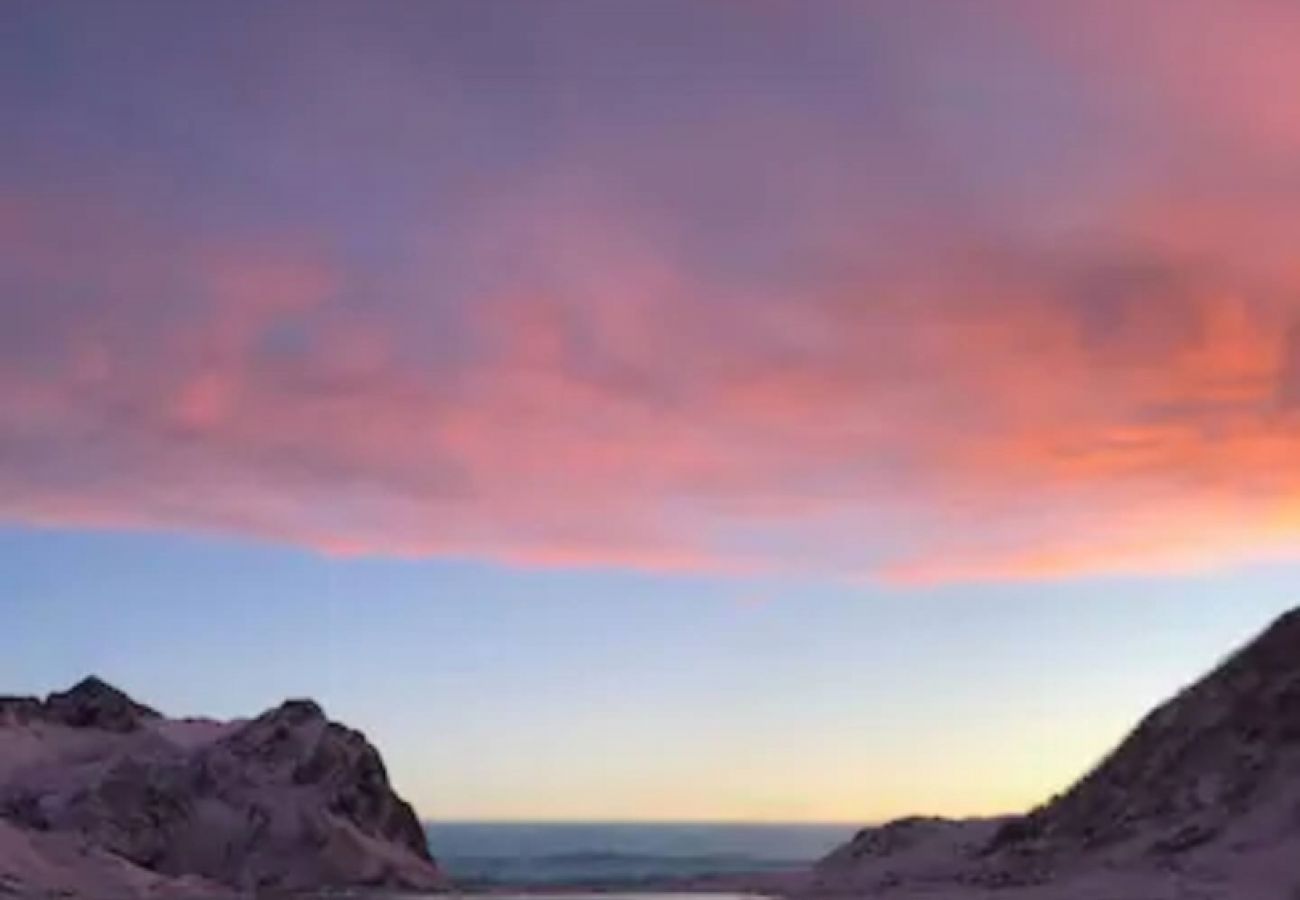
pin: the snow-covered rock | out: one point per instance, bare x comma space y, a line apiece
1202, 800
96, 788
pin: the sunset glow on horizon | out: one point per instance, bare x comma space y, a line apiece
737, 299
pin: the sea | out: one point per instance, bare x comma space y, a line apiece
523, 854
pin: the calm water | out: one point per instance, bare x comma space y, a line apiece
591, 852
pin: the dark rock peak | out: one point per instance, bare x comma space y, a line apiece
92, 684
90, 703
93, 689
93, 703
297, 711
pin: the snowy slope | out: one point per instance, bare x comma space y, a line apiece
97, 791
1202, 800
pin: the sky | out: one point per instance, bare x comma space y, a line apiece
732, 409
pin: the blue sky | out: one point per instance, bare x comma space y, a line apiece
507, 693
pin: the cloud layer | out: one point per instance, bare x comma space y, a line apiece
873, 292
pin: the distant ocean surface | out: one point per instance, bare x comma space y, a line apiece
602, 852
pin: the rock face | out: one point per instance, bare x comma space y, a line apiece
287, 801
1203, 797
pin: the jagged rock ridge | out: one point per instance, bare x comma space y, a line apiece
288, 800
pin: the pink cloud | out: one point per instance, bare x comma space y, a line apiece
847, 378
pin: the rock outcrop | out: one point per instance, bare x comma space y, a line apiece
1201, 800
287, 801
917, 852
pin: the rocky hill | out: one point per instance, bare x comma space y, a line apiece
1201, 800
100, 794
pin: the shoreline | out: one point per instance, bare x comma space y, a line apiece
756, 884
